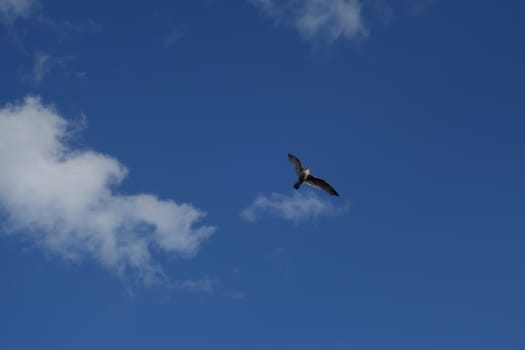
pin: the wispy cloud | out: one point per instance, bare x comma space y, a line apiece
68, 26
63, 200
44, 63
297, 207
174, 35
239, 295
41, 67
211, 286
318, 20
417, 7
205, 285
11, 10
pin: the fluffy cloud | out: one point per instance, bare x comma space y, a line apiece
297, 207
62, 200
10, 10
318, 19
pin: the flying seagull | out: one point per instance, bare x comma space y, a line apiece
305, 176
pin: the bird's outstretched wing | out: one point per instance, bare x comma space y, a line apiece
296, 163
320, 183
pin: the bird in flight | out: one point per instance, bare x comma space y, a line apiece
305, 176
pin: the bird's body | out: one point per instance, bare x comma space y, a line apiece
303, 175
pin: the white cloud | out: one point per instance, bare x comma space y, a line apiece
10, 10
298, 207
63, 200
327, 20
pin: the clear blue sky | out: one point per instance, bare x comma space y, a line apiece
413, 110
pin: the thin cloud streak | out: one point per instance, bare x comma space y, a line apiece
297, 207
11, 10
63, 200
45, 63
65, 27
205, 285
317, 20
173, 37
41, 67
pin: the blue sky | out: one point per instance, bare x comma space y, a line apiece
134, 135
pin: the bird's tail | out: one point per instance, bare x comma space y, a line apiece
297, 184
